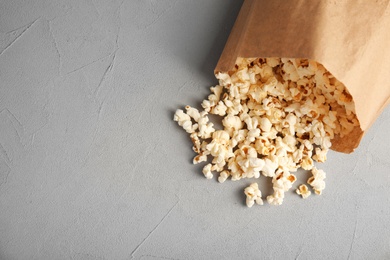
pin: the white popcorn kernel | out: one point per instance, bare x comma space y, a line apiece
218, 147
290, 142
243, 74
180, 117
217, 90
235, 108
263, 146
283, 183
251, 122
265, 124
276, 198
238, 137
253, 134
257, 93
184, 121
250, 165
270, 166
320, 155
218, 166
317, 180
307, 163
207, 171
206, 128
193, 113
275, 115
199, 158
206, 104
298, 155
303, 191
232, 123
273, 62
223, 176
195, 140
253, 194
224, 79
307, 145
219, 109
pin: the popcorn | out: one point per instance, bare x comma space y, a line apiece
224, 79
307, 163
265, 124
317, 180
249, 164
276, 198
199, 158
278, 115
253, 194
184, 121
207, 171
193, 113
223, 176
270, 166
219, 109
320, 155
219, 146
206, 128
303, 191
232, 123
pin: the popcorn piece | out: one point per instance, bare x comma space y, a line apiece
238, 137
303, 191
273, 62
270, 166
195, 140
320, 155
283, 183
253, 194
317, 180
265, 124
207, 171
206, 128
219, 109
184, 121
224, 79
307, 163
249, 164
199, 158
276, 198
232, 123
193, 113
223, 176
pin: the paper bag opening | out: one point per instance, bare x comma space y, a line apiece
335, 35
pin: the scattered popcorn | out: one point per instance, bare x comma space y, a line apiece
207, 171
320, 155
303, 190
253, 194
184, 121
278, 115
223, 176
276, 198
317, 180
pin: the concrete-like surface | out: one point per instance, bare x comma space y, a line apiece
92, 165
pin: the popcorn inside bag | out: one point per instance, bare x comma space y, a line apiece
278, 115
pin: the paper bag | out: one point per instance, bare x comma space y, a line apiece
351, 38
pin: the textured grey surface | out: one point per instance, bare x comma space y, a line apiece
93, 167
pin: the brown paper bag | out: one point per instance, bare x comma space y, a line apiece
351, 38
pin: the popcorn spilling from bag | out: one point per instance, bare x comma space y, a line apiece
278, 115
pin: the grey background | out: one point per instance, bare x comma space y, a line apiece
92, 165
